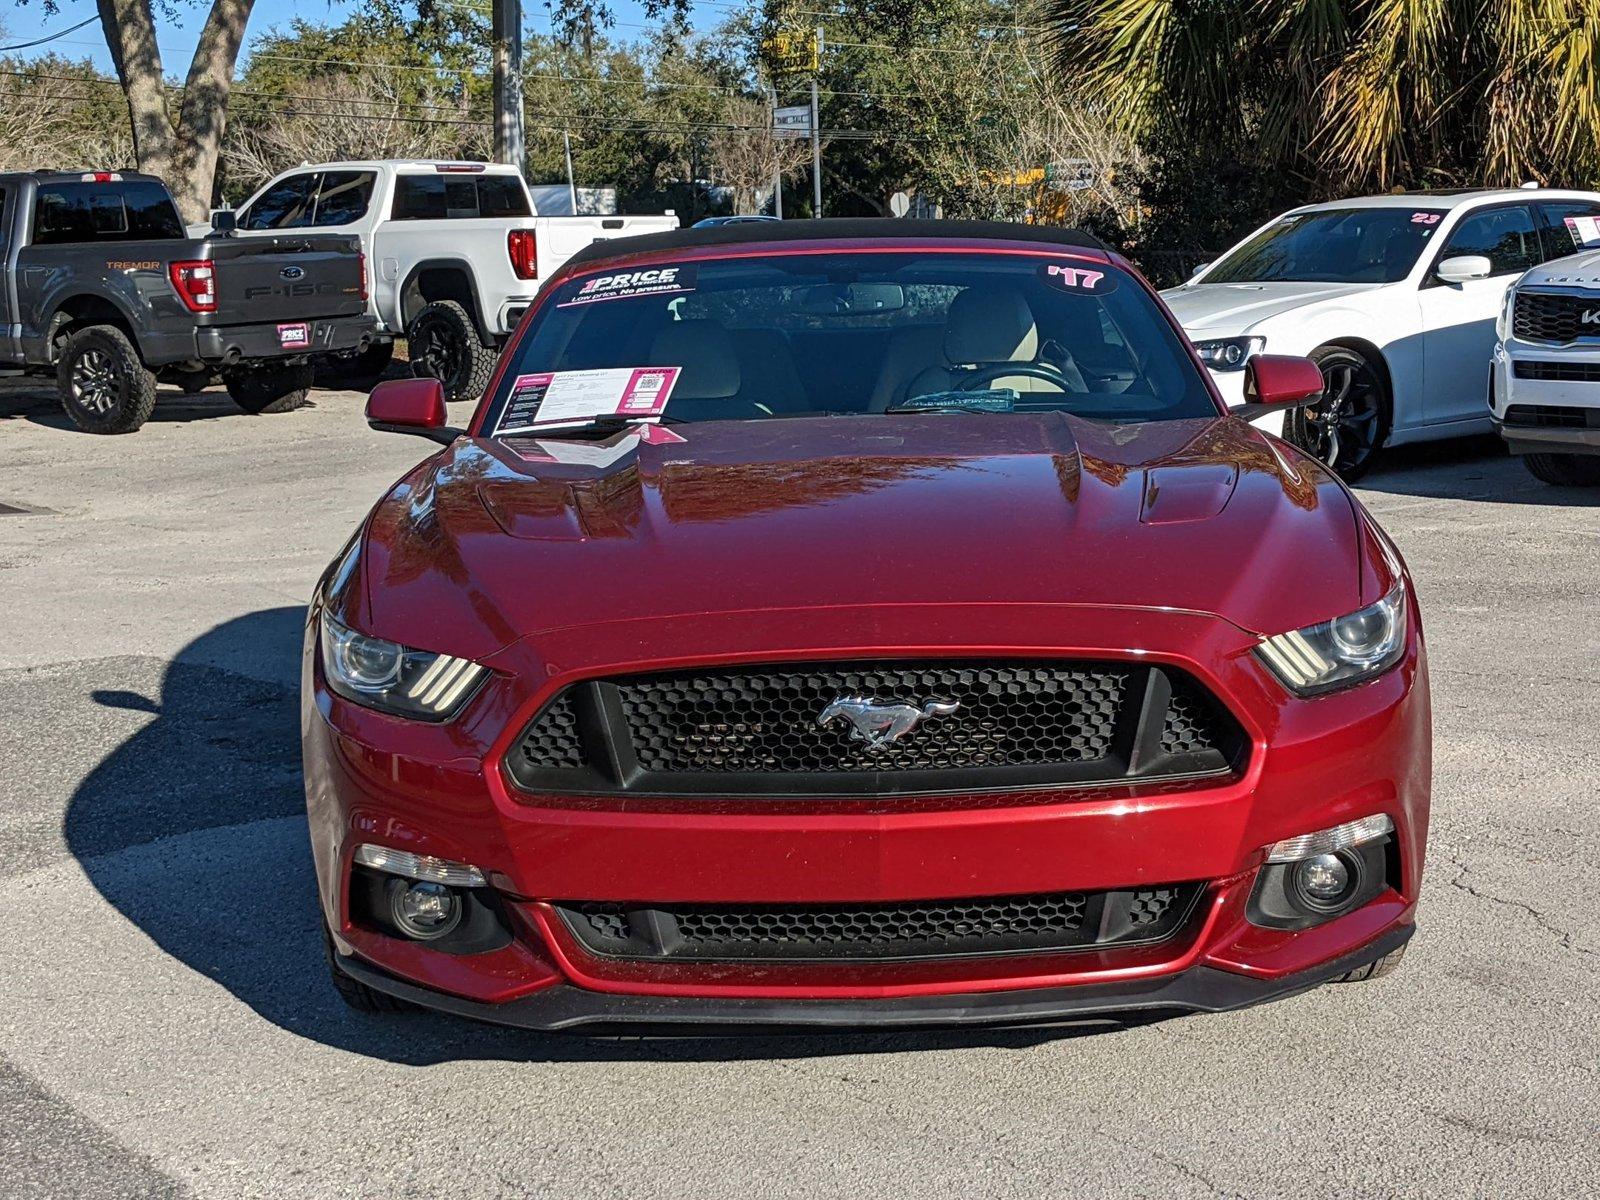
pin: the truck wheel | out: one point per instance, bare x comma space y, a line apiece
269, 389
1565, 470
356, 370
104, 385
444, 344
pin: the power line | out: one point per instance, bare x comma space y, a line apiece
51, 37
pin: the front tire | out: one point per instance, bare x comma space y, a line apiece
104, 385
1565, 470
353, 992
443, 343
277, 388
1347, 427
1387, 965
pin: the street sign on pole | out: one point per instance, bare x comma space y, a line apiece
792, 121
1072, 175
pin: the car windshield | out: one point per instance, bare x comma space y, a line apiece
1341, 245
849, 333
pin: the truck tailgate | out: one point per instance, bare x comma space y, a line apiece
567, 235
286, 277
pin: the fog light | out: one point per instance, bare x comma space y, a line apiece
424, 911
1327, 880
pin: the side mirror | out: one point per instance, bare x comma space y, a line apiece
411, 406
1195, 273
224, 220
1273, 382
1464, 267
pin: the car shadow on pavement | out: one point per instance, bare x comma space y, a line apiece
194, 830
1469, 468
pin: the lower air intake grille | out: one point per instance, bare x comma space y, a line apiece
876, 728
1569, 372
876, 932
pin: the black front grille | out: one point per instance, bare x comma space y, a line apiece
1552, 416
1543, 317
801, 730
1576, 372
989, 925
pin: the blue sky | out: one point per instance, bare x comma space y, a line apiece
178, 37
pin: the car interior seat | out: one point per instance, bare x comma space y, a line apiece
985, 325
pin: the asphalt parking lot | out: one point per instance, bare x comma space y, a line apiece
166, 1026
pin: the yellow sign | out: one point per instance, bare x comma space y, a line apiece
794, 52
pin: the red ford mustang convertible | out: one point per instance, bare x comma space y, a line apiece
860, 624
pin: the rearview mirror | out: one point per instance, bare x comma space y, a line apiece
851, 299
411, 406
1273, 382
1464, 267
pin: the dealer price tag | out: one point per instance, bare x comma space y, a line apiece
294, 337
1585, 231
550, 398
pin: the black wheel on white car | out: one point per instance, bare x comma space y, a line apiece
358, 370
104, 386
270, 388
1565, 470
1347, 427
444, 344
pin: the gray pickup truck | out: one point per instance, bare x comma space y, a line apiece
105, 290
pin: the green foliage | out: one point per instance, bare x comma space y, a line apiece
1355, 94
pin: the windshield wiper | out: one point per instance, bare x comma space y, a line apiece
952, 405
603, 424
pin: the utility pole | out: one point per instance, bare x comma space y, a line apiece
816, 135
777, 168
506, 32
572, 184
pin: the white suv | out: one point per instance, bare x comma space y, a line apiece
1545, 388
1395, 297
455, 253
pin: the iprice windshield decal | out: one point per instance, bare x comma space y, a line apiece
628, 285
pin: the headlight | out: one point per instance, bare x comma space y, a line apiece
395, 678
1229, 354
1342, 652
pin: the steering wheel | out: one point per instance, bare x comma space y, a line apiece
978, 376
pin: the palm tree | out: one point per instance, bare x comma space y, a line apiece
1365, 94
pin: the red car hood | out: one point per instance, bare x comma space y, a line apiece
494, 541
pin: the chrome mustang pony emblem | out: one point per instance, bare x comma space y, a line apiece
881, 725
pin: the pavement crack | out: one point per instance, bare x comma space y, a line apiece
1564, 936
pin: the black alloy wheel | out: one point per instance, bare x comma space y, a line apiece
104, 386
1347, 426
443, 343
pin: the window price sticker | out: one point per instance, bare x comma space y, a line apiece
551, 398
1585, 231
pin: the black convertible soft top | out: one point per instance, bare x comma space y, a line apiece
834, 228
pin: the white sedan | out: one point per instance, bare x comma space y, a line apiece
1395, 297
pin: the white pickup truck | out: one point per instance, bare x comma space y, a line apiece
455, 252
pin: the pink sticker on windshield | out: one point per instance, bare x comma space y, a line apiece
1425, 218
1094, 281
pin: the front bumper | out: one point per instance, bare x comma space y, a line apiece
1199, 989
439, 790
1557, 414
